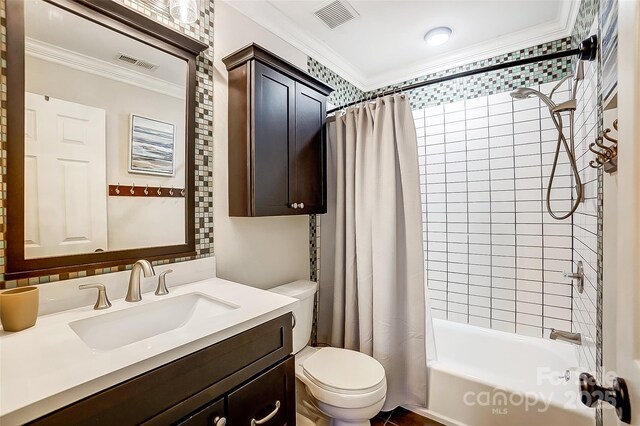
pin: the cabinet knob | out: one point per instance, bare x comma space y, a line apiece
294, 205
301, 205
219, 421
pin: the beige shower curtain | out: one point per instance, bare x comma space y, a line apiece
375, 219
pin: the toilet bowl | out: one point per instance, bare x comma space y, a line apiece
347, 387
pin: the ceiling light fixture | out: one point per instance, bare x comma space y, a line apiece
438, 36
185, 11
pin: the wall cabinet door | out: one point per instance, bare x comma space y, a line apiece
273, 141
310, 151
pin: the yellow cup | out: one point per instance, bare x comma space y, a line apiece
19, 308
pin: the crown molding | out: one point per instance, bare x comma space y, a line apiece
269, 16
51, 53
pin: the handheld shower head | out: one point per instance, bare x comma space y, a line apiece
525, 92
522, 93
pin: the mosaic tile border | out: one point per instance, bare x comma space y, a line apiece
344, 92
203, 31
491, 82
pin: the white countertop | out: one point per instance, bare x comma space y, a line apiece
48, 366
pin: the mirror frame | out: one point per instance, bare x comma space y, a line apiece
130, 23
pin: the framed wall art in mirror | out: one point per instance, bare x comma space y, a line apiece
98, 96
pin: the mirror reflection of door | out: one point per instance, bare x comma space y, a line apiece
65, 177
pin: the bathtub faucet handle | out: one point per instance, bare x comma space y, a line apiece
578, 276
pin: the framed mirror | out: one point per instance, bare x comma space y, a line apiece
101, 143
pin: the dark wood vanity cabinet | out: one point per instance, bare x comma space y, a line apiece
250, 376
277, 136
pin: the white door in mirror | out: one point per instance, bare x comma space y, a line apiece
65, 178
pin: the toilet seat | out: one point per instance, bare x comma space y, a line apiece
344, 378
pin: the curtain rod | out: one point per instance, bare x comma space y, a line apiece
586, 52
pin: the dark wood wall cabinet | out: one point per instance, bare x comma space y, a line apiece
277, 136
248, 377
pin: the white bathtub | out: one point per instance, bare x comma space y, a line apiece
485, 377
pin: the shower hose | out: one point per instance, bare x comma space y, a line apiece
557, 120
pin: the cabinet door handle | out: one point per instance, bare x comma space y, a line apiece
294, 205
255, 422
219, 421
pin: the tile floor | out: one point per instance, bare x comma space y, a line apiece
401, 417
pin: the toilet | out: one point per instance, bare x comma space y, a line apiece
338, 386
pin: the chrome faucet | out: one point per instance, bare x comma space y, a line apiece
574, 338
133, 294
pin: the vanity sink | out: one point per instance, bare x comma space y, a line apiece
116, 329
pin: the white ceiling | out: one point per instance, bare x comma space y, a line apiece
385, 44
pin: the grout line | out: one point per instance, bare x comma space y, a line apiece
446, 224
466, 174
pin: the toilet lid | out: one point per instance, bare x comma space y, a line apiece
343, 370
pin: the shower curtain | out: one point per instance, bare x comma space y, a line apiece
373, 236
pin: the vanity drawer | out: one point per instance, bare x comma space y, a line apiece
173, 391
210, 415
269, 399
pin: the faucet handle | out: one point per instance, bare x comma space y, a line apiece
103, 300
162, 284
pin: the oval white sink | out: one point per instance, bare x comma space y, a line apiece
115, 329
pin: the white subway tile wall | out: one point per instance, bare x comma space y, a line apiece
494, 257
585, 220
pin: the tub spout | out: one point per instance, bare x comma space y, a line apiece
574, 338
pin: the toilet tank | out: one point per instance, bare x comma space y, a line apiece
304, 291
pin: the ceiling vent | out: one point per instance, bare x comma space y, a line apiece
141, 63
336, 13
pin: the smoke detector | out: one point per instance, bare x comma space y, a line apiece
140, 63
336, 13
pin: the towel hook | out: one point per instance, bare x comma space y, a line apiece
118, 188
608, 151
607, 137
146, 190
171, 191
159, 191
182, 192
132, 191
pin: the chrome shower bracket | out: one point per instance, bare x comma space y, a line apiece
579, 276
